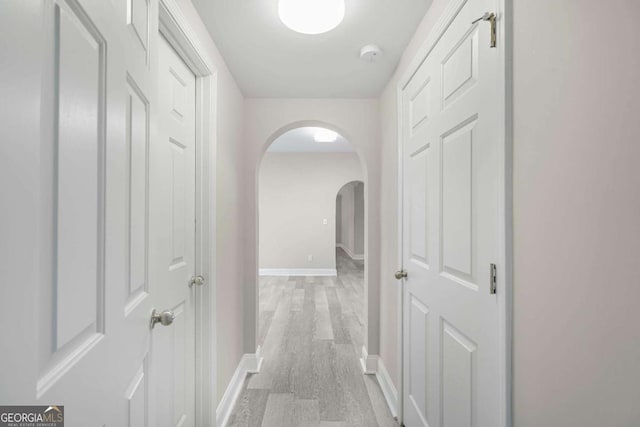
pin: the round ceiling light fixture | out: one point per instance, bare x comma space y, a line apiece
311, 16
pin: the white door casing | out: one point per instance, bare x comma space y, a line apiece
452, 137
172, 206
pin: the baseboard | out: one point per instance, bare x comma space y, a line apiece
249, 364
298, 272
349, 252
388, 389
368, 363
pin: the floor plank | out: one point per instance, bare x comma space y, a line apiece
279, 411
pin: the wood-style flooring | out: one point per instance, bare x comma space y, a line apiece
311, 332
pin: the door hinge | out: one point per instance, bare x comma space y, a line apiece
491, 17
493, 284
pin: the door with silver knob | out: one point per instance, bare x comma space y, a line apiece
172, 240
451, 178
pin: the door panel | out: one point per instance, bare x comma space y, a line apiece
458, 371
460, 68
456, 206
173, 218
138, 147
137, 398
79, 178
450, 233
418, 240
418, 345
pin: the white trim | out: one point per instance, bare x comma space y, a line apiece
400, 254
368, 363
505, 256
175, 27
249, 364
388, 389
297, 272
180, 35
355, 257
254, 361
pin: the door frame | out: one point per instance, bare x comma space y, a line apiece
178, 32
505, 193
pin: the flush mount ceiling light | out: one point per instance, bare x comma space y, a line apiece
325, 135
311, 16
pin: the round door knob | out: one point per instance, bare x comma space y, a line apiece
165, 318
401, 274
196, 280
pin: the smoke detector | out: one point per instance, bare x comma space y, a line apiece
370, 53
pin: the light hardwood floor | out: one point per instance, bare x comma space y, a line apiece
311, 332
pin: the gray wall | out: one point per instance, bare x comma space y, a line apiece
297, 192
576, 186
358, 218
338, 219
351, 219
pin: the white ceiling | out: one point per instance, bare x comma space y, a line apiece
301, 140
268, 60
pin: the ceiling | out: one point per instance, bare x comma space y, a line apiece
301, 140
268, 60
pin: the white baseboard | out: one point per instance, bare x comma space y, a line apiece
388, 389
249, 364
368, 363
355, 257
253, 362
298, 272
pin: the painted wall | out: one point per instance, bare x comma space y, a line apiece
576, 212
297, 192
338, 219
358, 219
228, 258
355, 119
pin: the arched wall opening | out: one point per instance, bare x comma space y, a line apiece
268, 126
358, 121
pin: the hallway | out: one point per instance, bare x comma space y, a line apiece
311, 332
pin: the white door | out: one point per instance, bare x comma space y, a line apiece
172, 239
79, 318
451, 146
97, 220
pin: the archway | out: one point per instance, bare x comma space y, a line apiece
357, 122
296, 192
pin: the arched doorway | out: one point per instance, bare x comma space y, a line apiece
312, 312
266, 127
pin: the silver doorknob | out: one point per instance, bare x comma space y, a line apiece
401, 274
196, 280
165, 318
